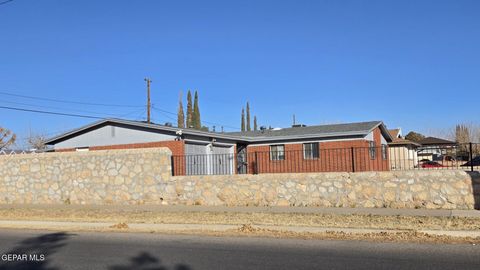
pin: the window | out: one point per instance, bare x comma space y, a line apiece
277, 152
384, 151
310, 151
372, 150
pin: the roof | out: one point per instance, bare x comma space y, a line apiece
394, 132
400, 141
140, 124
349, 129
435, 141
321, 131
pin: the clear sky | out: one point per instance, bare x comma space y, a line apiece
412, 64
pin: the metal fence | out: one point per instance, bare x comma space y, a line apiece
458, 156
353, 159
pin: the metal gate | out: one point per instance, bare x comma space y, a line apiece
201, 159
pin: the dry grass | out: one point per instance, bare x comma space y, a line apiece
116, 215
410, 236
121, 226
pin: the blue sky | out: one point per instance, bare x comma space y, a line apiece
412, 64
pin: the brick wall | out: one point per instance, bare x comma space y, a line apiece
335, 156
177, 147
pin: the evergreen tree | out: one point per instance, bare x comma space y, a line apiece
414, 136
248, 117
197, 122
243, 120
255, 127
189, 110
180, 114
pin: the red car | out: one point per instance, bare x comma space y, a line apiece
432, 164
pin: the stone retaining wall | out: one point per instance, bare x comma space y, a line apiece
143, 176
97, 177
403, 189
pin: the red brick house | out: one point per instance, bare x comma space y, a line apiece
340, 147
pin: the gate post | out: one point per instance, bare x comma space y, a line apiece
256, 163
353, 159
471, 157
172, 164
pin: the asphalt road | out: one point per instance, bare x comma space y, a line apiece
119, 251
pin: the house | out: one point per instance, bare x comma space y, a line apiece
402, 152
433, 148
340, 147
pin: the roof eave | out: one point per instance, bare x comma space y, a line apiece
64, 136
384, 131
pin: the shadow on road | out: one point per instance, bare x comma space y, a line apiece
146, 261
33, 253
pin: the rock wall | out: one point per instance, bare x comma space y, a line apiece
97, 177
401, 189
143, 176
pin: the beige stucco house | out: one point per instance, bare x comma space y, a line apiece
402, 152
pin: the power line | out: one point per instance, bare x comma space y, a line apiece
52, 113
57, 108
98, 104
5, 2
69, 101
211, 123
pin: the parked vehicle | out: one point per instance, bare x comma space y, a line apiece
473, 162
432, 164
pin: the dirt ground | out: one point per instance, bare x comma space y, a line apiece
119, 215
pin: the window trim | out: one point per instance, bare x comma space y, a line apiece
384, 152
279, 155
312, 151
372, 150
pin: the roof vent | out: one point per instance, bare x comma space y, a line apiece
298, 125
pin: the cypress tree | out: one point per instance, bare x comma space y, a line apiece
248, 117
197, 122
255, 127
189, 110
243, 119
180, 114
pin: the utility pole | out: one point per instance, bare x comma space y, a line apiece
148, 99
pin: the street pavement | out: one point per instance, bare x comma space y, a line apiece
38, 250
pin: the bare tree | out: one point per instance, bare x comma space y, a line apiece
462, 134
37, 142
7, 138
